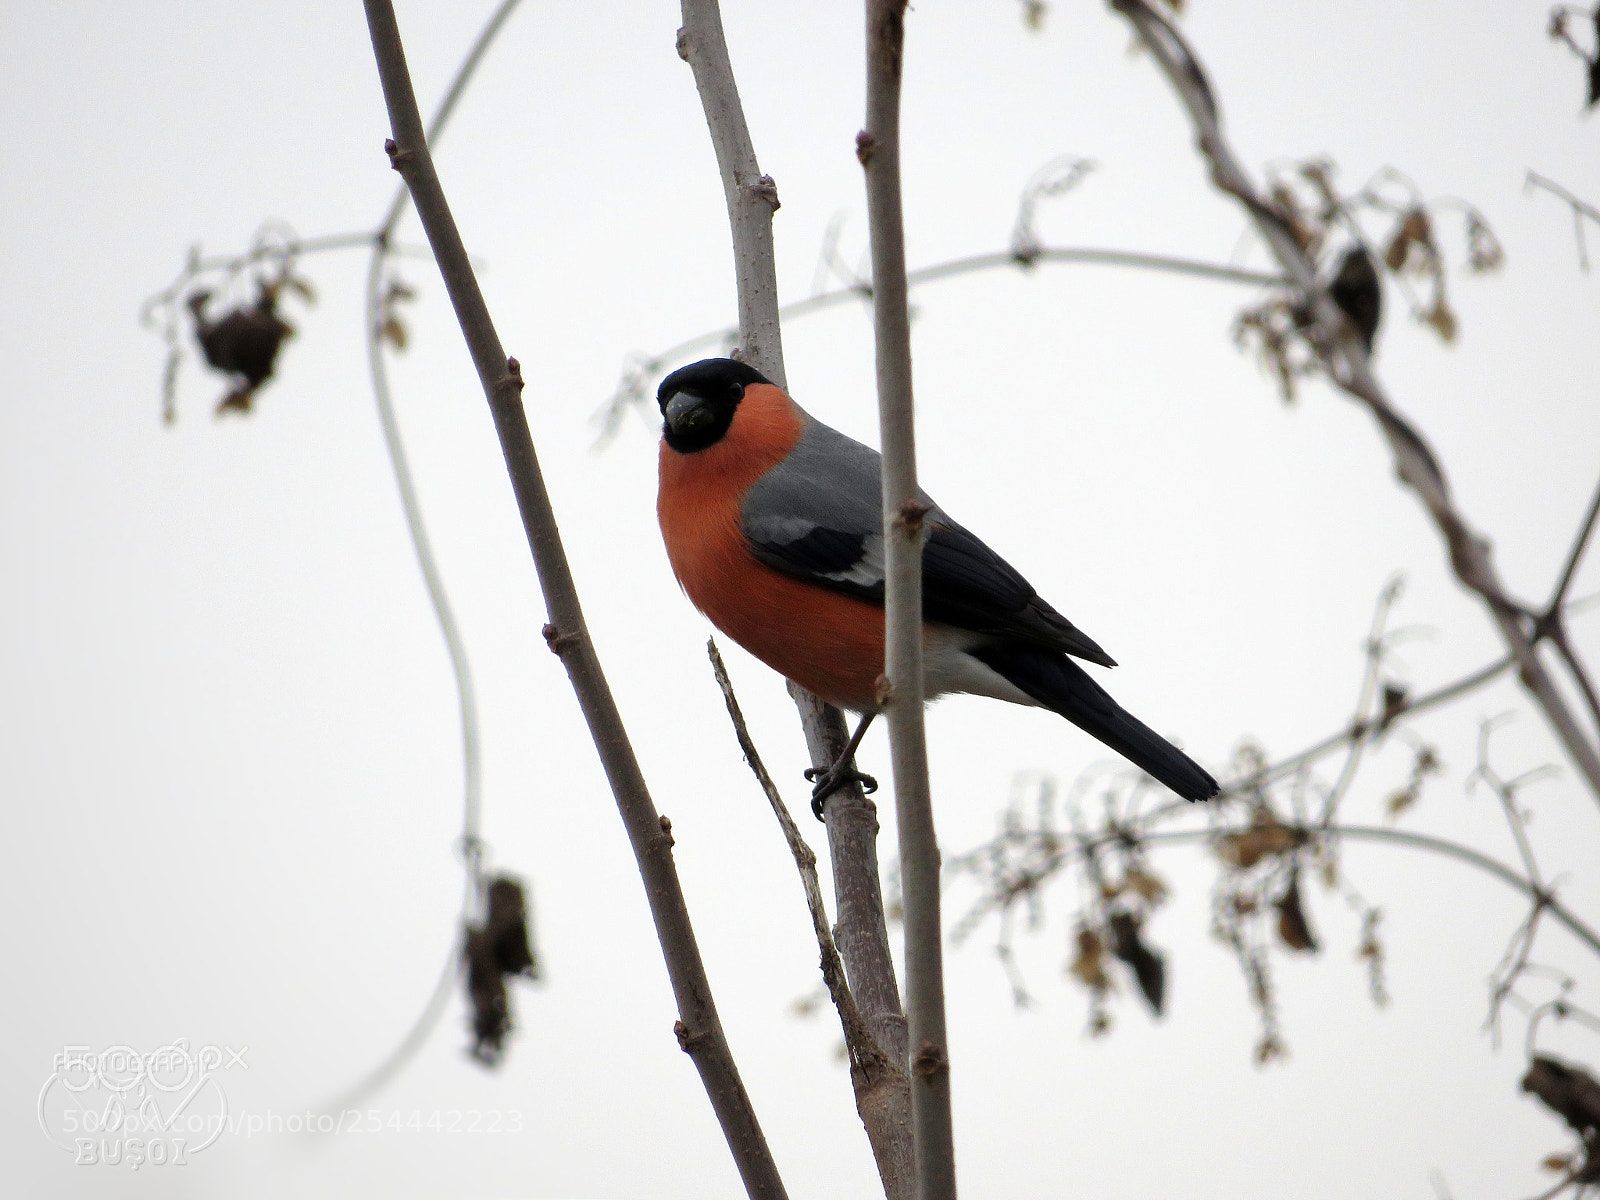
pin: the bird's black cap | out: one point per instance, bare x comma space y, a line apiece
698, 401
711, 378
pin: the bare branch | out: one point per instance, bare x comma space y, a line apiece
698, 1029
637, 379
901, 691
852, 824
1345, 361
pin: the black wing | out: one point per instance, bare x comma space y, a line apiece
816, 515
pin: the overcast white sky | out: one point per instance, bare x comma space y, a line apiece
228, 741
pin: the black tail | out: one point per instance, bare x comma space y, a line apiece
1064, 687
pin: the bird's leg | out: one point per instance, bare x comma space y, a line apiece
842, 772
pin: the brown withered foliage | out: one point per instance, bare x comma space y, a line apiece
1335, 230
1149, 966
495, 951
1573, 1094
1265, 838
391, 328
242, 343
1424, 764
1355, 289
1294, 931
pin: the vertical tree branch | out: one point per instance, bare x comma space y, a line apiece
902, 692
1345, 361
752, 197
852, 826
698, 1029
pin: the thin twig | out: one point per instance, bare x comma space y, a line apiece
1580, 209
1345, 361
1579, 543
867, 1059
1561, 1009
698, 1029
1368, 731
1369, 684
901, 690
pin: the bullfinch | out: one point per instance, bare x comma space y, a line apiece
773, 525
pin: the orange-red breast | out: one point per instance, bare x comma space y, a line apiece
772, 523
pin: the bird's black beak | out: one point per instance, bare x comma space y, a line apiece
686, 412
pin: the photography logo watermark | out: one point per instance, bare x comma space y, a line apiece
123, 1107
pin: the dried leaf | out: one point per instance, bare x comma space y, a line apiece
1355, 289
1442, 318
1484, 252
1089, 965
1148, 887
1399, 800
242, 343
1267, 1049
1149, 969
1318, 172
1394, 702
300, 287
1414, 229
1263, 839
1293, 929
1570, 1092
1293, 216
495, 951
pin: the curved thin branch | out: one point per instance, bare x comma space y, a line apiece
466, 697
634, 386
901, 690
698, 1029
